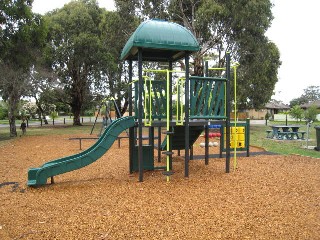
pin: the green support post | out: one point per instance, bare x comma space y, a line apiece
187, 157
247, 142
170, 113
228, 102
206, 130
131, 130
140, 116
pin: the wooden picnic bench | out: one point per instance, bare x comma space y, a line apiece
83, 138
285, 133
269, 133
291, 135
94, 138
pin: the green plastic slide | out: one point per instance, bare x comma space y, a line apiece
39, 176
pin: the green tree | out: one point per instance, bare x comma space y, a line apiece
76, 51
310, 94
3, 110
257, 75
297, 101
22, 36
115, 31
311, 113
29, 108
42, 82
296, 112
222, 26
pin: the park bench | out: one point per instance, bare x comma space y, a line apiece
95, 138
302, 134
83, 138
285, 135
291, 135
269, 133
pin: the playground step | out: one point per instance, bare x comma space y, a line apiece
168, 133
168, 173
167, 153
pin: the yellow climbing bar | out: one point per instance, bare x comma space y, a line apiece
179, 100
147, 98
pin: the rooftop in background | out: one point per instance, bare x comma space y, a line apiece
274, 105
307, 105
161, 41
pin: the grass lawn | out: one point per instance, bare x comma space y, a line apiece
49, 130
257, 136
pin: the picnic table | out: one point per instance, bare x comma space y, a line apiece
283, 132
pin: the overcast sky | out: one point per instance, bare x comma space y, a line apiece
295, 30
43, 6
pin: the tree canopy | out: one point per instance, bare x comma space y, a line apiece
76, 52
222, 26
22, 36
82, 45
310, 94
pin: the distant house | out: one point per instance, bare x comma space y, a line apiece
271, 108
275, 108
307, 105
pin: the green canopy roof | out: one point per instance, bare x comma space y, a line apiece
160, 41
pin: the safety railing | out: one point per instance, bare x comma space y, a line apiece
207, 97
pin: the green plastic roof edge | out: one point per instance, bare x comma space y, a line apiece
161, 35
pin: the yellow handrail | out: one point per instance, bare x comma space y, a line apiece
147, 122
179, 109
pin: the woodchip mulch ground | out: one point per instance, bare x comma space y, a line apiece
266, 197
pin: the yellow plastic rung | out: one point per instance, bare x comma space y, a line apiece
240, 137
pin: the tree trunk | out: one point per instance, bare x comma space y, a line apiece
76, 117
78, 92
76, 106
198, 66
41, 111
13, 104
125, 106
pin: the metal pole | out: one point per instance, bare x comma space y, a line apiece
187, 157
206, 157
307, 141
159, 144
228, 113
170, 113
117, 108
207, 69
247, 136
95, 121
140, 115
131, 130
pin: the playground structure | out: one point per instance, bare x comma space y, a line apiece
200, 101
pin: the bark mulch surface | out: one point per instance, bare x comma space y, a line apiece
266, 197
